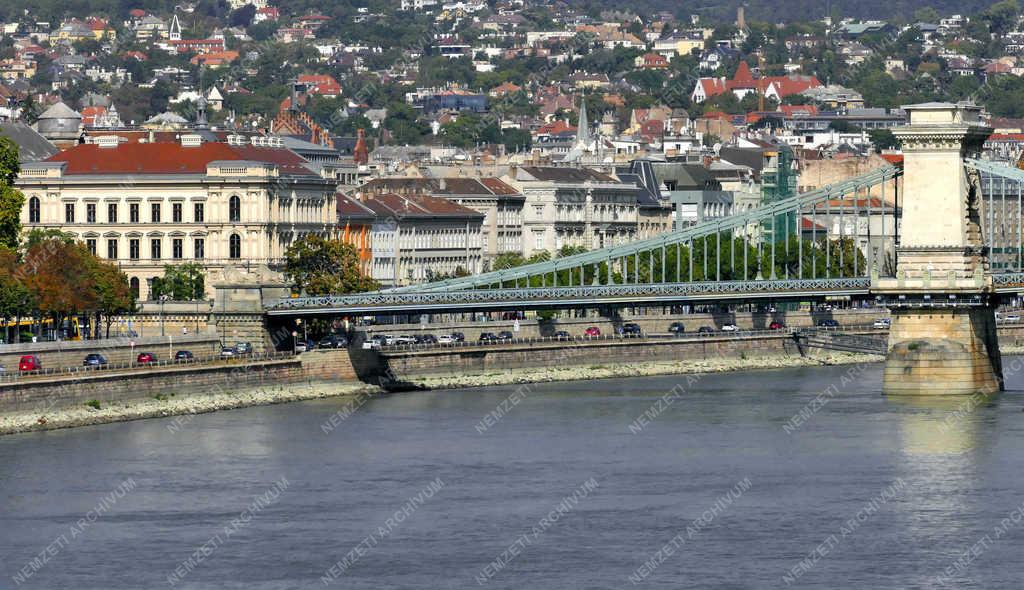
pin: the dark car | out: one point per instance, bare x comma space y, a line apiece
488, 337
506, 335
828, 323
676, 328
94, 359
29, 362
630, 330
243, 348
776, 326
426, 339
458, 337
184, 355
145, 358
705, 330
562, 335
333, 341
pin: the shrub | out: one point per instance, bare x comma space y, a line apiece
93, 403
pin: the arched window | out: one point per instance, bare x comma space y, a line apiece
234, 209
234, 246
133, 284
33, 210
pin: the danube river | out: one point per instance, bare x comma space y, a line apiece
802, 478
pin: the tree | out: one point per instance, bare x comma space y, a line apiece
60, 278
15, 299
184, 282
114, 295
11, 199
318, 266
883, 139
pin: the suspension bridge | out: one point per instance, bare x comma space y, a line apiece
831, 242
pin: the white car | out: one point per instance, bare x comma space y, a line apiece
1012, 318
881, 324
730, 328
445, 339
403, 340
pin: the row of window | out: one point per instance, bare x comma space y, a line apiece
155, 212
156, 248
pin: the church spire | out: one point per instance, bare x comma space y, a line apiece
583, 125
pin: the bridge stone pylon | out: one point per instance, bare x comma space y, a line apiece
943, 335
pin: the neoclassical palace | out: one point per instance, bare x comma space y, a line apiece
150, 204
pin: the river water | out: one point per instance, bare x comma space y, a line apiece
723, 483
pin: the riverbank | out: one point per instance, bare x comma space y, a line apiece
178, 405
642, 369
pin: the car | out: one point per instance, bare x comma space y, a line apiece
301, 346
227, 352
403, 339
730, 328
3, 371
562, 335
426, 339
828, 323
243, 348
94, 359
184, 355
592, 332
676, 328
333, 341
776, 326
705, 330
29, 362
145, 358
881, 324
506, 335
445, 339
630, 330
1012, 318
458, 337
488, 337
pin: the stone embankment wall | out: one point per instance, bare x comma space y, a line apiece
117, 386
409, 366
55, 355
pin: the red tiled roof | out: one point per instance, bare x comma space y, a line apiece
556, 127
170, 158
895, 159
807, 225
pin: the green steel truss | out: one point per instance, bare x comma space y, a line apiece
795, 206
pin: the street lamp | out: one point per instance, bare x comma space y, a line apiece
163, 298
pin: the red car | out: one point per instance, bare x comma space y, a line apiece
145, 358
592, 331
775, 326
29, 362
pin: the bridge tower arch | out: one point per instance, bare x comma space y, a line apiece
943, 335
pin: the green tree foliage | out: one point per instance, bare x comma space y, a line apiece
318, 266
114, 295
183, 282
11, 199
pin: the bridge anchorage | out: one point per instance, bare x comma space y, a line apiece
942, 300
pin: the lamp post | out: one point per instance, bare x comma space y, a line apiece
163, 298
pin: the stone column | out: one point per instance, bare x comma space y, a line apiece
943, 339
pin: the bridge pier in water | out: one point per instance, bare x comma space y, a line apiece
942, 340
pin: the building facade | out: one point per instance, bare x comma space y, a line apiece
148, 205
417, 238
